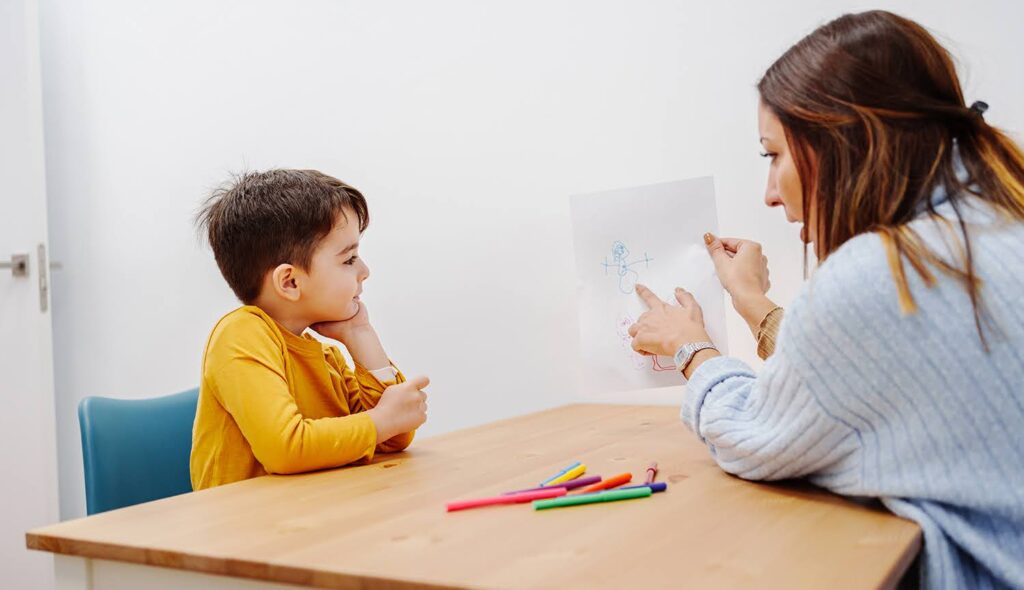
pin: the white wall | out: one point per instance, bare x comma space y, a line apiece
465, 123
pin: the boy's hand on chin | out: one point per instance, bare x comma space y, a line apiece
342, 330
358, 336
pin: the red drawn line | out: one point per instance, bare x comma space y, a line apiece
657, 366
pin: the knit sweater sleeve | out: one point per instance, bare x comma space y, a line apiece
779, 423
764, 427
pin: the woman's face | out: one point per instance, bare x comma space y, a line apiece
784, 188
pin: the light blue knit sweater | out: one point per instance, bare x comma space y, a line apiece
909, 409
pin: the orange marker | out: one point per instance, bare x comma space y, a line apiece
611, 482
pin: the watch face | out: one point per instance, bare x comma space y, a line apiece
686, 352
682, 355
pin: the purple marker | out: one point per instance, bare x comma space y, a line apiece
658, 486
568, 485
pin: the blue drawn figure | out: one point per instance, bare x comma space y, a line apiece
620, 262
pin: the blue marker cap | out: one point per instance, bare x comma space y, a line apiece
560, 473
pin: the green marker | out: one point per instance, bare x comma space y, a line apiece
609, 496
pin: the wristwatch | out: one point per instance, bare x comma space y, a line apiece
686, 352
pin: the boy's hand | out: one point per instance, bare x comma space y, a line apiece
358, 336
343, 330
402, 408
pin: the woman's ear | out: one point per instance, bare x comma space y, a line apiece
283, 280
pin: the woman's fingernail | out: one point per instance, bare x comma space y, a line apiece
708, 238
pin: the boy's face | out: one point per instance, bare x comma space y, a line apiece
331, 288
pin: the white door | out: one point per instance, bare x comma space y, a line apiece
27, 424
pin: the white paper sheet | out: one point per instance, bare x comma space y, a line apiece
649, 234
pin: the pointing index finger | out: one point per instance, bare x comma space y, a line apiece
649, 297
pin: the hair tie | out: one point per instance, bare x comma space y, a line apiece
978, 108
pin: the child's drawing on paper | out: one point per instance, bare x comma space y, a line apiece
620, 266
637, 360
660, 245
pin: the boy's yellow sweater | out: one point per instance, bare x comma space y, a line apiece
274, 402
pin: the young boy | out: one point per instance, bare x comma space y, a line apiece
272, 398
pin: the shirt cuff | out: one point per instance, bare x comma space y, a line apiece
706, 377
368, 428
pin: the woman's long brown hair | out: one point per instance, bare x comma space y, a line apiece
873, 111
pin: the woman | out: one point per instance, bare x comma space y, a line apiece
899, 370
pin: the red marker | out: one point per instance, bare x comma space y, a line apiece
507, 499
652, 472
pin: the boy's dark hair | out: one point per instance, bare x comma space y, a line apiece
262, 219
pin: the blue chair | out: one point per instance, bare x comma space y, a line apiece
136, 451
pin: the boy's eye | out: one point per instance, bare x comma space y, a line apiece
351, 260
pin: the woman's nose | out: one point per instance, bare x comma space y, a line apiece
772, 199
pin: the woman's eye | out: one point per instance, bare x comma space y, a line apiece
768, 155
351, 260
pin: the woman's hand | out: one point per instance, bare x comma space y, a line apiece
664, 328
740, 265
743, 270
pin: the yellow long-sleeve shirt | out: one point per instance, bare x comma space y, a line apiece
274, 402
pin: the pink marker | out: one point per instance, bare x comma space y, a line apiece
652, 472
509, 499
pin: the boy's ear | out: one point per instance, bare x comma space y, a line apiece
283, 280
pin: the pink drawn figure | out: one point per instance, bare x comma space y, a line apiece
636, 359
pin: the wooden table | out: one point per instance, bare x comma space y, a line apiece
384, 525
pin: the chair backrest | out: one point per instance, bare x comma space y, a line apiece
135, 451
